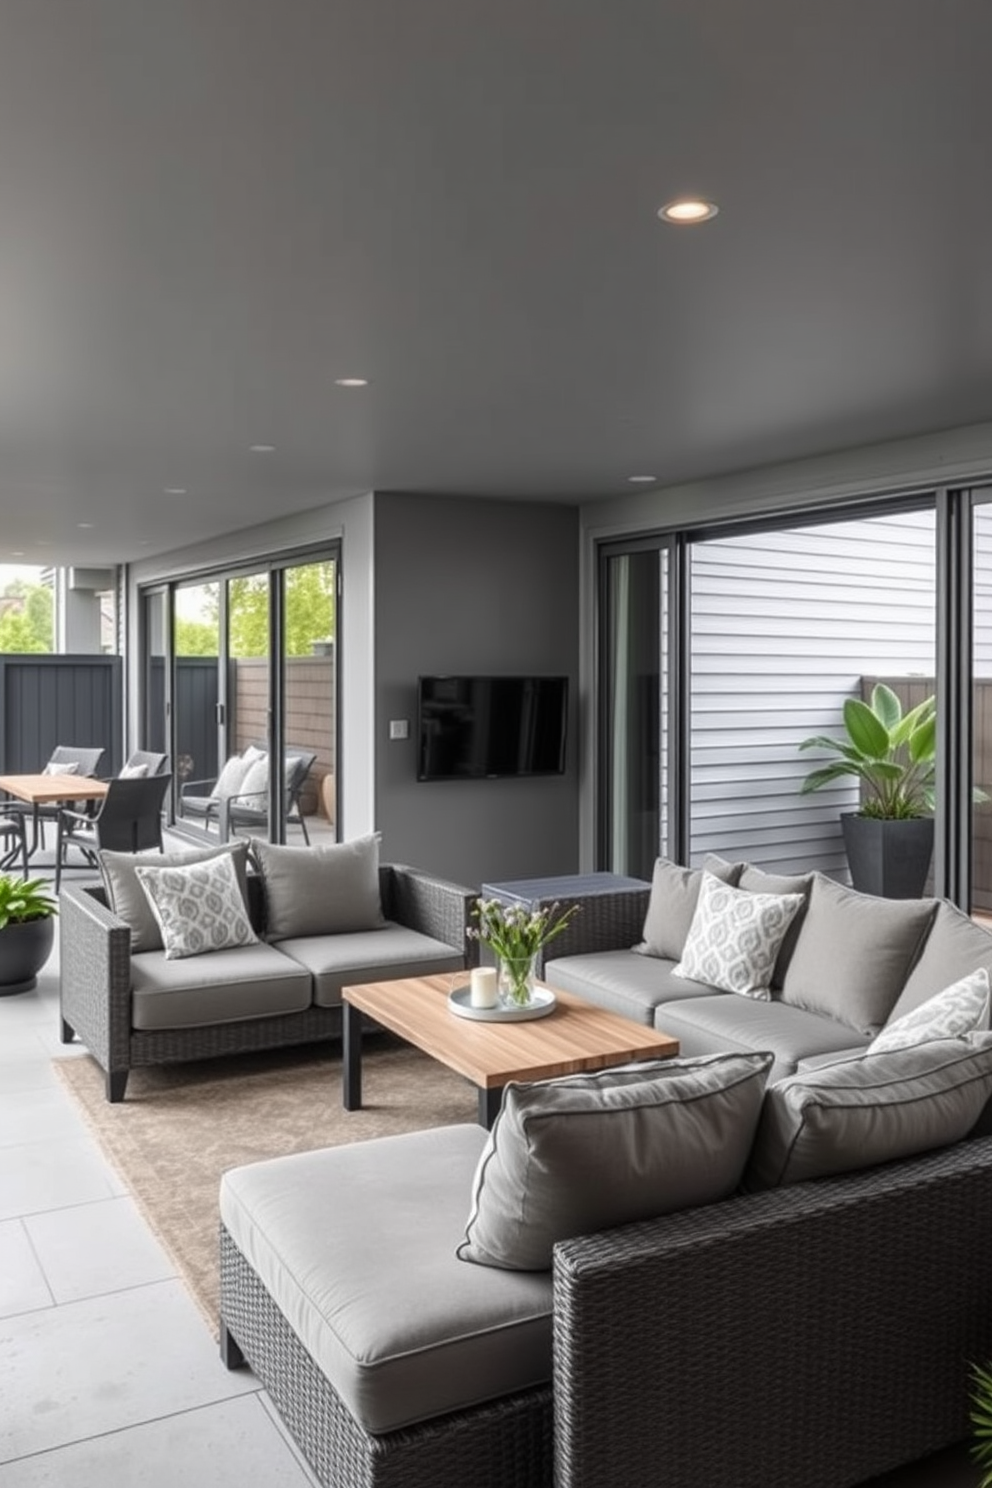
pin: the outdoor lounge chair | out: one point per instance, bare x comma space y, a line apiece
226, 802
14, 842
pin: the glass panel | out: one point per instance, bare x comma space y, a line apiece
633, 733
309, 695
248, 696
785, 627
154, 734
196, 644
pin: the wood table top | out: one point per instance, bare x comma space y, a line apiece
576, 1036
40, 789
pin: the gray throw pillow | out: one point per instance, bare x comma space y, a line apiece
757, 881
869, 1110
672, 904
320, 890
127, 898
955, 946
587, 1152
853, 954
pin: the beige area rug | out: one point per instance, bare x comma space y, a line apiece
181, 1126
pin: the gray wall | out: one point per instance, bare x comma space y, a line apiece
473, 586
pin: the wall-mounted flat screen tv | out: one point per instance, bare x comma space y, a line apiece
481, 728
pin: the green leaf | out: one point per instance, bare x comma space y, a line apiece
886, 706
868, 735
923, 741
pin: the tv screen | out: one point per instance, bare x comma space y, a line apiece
479, 728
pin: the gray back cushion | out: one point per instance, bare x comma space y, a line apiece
870, 1110
954, 947
757, 881
853, 954
320, 890
128, 900
587, 1152
674, 894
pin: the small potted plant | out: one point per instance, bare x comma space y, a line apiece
27, 930
516, 933
889, 839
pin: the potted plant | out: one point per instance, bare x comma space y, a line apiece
889, 839
27, 929
981, 1420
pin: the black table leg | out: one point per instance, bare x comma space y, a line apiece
489, 1104
351, 1057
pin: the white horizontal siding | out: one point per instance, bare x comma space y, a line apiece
784, 625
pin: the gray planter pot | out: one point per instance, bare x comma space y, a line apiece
890, 858
24, 949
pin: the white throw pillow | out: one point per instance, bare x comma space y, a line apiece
52, 768
133, 772
231, 778
735, 937
199, 907
959, 1009
255, 787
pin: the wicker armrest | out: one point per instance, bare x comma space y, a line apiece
818, 1334
95, 974
434, 906
612, 921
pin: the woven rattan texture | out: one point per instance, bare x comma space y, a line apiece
818, 1335
505, 1444
605, 922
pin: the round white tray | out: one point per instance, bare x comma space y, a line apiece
459, 1001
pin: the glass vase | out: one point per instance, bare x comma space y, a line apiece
516, 981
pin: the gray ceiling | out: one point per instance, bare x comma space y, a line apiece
210, 209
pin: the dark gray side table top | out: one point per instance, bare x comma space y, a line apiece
565, 886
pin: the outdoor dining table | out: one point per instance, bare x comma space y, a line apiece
43, 790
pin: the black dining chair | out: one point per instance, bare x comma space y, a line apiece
14, 840
129, 820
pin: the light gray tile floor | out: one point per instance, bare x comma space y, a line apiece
108, 1373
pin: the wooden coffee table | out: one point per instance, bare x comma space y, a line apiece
576, 1036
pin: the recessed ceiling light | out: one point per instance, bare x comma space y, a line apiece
262, 449
642, 480
688, 209
351, 382
174, 491
17, 552
84, 524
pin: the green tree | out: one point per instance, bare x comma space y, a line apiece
29, 624
310, 610
196, 638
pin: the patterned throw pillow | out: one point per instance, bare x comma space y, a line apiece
198, 907
961, 1008
735, 938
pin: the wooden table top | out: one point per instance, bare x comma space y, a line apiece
40, 789
576, 1036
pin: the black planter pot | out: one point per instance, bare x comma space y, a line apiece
24, 949
890, 858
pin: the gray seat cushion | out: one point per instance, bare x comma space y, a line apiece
336, 961
357, 1247
718, 1025
625, 982
253, 981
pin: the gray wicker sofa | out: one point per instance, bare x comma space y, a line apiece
135, 1007
850, 964
817, 1334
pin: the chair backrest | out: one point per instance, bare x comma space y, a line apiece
158, 764
298, 767
85, 760
130, 816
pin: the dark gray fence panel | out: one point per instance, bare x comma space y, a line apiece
195, 714
50, 700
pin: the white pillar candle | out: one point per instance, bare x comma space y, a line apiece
484, 992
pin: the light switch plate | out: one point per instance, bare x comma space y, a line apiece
399, 728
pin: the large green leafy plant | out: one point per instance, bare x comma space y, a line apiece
891, 752
981, 1421
23, 899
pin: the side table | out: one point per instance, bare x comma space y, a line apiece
612, 911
